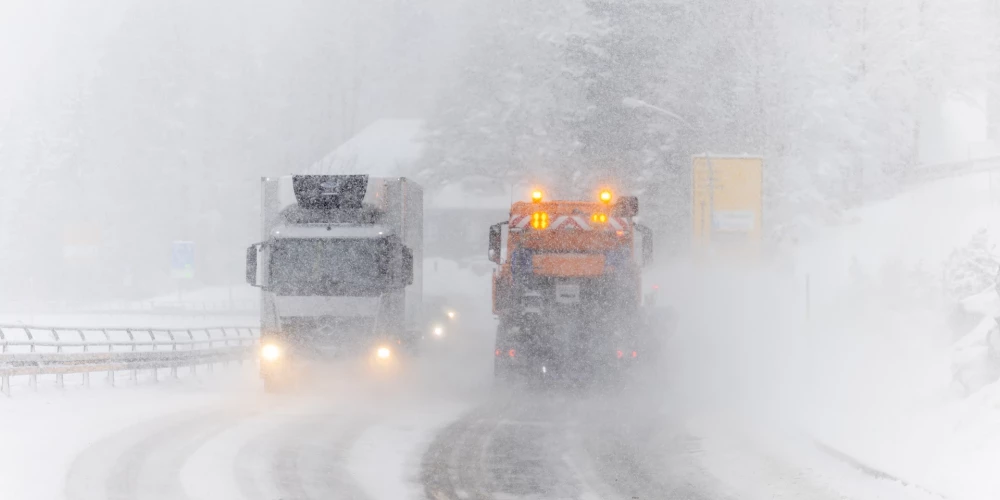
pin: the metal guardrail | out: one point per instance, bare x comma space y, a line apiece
153, 307
935, 172
868, 470
220, 306
53, 350
920, 175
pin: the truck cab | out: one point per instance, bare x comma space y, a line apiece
336, 266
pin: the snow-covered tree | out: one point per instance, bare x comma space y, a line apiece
617, 65
971, 269
508, 116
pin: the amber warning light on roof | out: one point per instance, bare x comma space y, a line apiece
539, 220
536, 196
606, 196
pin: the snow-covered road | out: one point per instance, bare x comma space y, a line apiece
351, 438
559, 446
223, 438
269, 448
437, 430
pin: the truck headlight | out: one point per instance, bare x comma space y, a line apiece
438, 331
270, 352
383, 352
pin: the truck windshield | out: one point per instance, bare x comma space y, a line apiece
355, 267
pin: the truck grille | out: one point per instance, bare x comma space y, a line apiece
327, 336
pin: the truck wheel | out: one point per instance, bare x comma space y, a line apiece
505, 369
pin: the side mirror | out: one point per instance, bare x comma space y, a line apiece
252, 265
647, 244
626, 206
407, 266
495, 242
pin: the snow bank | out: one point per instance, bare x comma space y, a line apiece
985, 303
897, 397
920, 226
869, 363
751, 464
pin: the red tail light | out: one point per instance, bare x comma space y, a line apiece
620, 354
635, 354
496, 352
511, 353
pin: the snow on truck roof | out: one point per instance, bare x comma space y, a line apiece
386, 148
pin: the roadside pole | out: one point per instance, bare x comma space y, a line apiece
182, 265
808, 298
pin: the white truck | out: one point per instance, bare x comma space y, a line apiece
339, 266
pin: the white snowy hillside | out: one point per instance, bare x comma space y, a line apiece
911, 392
386, 148
920, 229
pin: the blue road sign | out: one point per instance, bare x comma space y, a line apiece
182, 260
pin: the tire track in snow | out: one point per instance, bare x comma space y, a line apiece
144, 463
510, 448
255, 454
303, 458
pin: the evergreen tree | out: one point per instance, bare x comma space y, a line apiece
971, 269
507, 117
618, 66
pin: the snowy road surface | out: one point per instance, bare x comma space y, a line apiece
546, 446
386, 440
294, 450
344, 440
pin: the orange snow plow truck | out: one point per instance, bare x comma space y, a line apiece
568, 287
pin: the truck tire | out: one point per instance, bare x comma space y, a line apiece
501, 343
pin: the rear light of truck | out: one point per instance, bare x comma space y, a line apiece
620, 354
511, 353
635, 354
496, 352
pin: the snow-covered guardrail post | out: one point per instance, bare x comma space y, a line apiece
174, 349
194, 366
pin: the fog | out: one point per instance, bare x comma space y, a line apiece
200, 100
855, 320
128, 126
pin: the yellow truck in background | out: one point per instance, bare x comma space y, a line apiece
727, 204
